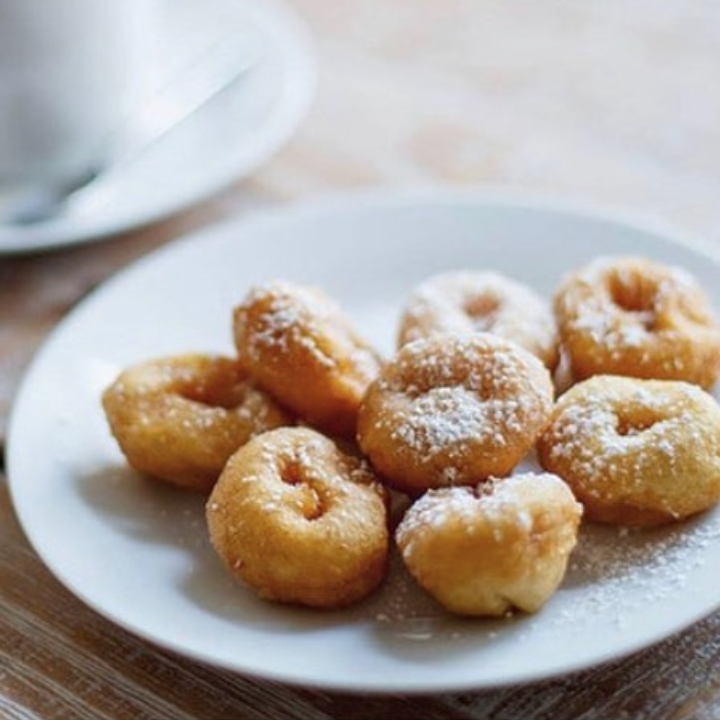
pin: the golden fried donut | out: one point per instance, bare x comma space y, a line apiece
180, 418
490, 549
299, 521
636, 452
454, 410
298, 345
635, 317
469, 302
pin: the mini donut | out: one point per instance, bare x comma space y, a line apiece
180, 418
636, 452
454, 410
299, 521
494, 548
299, 346
635, 317
469, 302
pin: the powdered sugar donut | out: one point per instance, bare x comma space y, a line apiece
180, 418
490, 549
635, 317
299, 521
298, 345
470, 302
453, 410
636, 452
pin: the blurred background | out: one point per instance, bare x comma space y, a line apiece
610, 100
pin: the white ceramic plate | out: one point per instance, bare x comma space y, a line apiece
138, 553
223, 141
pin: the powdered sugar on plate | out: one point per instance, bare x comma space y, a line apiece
614, 575
623, 571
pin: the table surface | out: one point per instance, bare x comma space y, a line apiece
613, 101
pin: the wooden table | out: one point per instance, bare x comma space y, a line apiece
614, 101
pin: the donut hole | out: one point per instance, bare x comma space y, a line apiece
215, 393
434, 385
637, 422
635, 296
309, 499
482, 311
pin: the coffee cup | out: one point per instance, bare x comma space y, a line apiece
69, 73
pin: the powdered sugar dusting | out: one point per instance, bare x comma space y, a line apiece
280, 319
447, 395
593, 436
293, 316
622, 571
613, 575
468, 302
496, 500
447, 416
616, 302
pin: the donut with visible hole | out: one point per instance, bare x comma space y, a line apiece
636, 452
639, 318
180, 418
454, 410
470, 302
299, 521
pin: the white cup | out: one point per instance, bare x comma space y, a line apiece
69, 70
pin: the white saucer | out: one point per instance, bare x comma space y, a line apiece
225, 140
138, 552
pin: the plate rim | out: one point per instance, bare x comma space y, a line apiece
300, 211
297, 96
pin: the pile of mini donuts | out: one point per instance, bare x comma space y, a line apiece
304, 437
